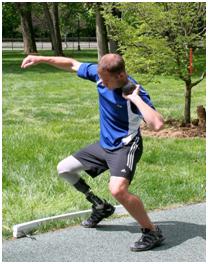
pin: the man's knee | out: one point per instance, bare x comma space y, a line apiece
118, 187
61, 167
68, 165
69, 168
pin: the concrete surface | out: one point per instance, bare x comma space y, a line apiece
183, 227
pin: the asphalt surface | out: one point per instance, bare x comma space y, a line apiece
183, 227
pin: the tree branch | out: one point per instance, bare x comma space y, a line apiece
201, 79
201, 11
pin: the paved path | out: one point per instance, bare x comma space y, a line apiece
184, 228
47, 45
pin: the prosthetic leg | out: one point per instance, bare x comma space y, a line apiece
100, 209
83, 187
68, 169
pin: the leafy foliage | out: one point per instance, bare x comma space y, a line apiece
69, 13
10, 20
155, 37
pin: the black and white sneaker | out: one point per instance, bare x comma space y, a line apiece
98, 213
149, 240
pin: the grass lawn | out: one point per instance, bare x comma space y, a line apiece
49, 114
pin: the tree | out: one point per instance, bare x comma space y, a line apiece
101, 32
156, 38
113, 44
24, 10
10, 21
52, 19
55, 16
70, 13
68, 19
101, 29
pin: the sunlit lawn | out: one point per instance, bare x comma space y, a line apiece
49, 114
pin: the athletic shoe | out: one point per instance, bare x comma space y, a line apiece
98, 213
149, 240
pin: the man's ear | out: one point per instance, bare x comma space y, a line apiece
122, 76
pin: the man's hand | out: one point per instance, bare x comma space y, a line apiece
133, 95
30, 60
151, 117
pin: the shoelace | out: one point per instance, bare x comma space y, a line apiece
149, 237
99, 214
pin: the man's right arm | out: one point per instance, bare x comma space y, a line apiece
62, 63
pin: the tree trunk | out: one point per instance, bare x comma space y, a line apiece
51, 28
101, 33
113, 45
78, 35
56, 27
187, 110
201, 113
24, 10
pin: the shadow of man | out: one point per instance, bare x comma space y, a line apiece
175, 232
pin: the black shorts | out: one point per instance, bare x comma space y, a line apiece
121, 162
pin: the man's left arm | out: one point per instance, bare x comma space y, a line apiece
151, 116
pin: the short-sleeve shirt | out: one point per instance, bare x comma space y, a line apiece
119, 118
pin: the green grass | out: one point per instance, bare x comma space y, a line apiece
49, 114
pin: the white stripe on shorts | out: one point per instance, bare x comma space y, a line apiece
130, 158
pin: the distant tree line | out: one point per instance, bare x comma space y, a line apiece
68, 17
56, 21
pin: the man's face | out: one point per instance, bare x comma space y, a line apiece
113, 81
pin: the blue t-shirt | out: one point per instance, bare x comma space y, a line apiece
119, 118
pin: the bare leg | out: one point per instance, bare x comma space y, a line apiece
119, 189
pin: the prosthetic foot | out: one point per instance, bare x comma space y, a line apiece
98, 214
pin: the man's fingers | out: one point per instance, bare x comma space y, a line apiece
26, 64
135, 92
137, 88
28, 61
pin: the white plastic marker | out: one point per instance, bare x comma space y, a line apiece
21, 230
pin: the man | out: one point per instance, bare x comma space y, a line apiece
120, 146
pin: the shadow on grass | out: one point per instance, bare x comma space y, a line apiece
14, 67
11, 60
175, 232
